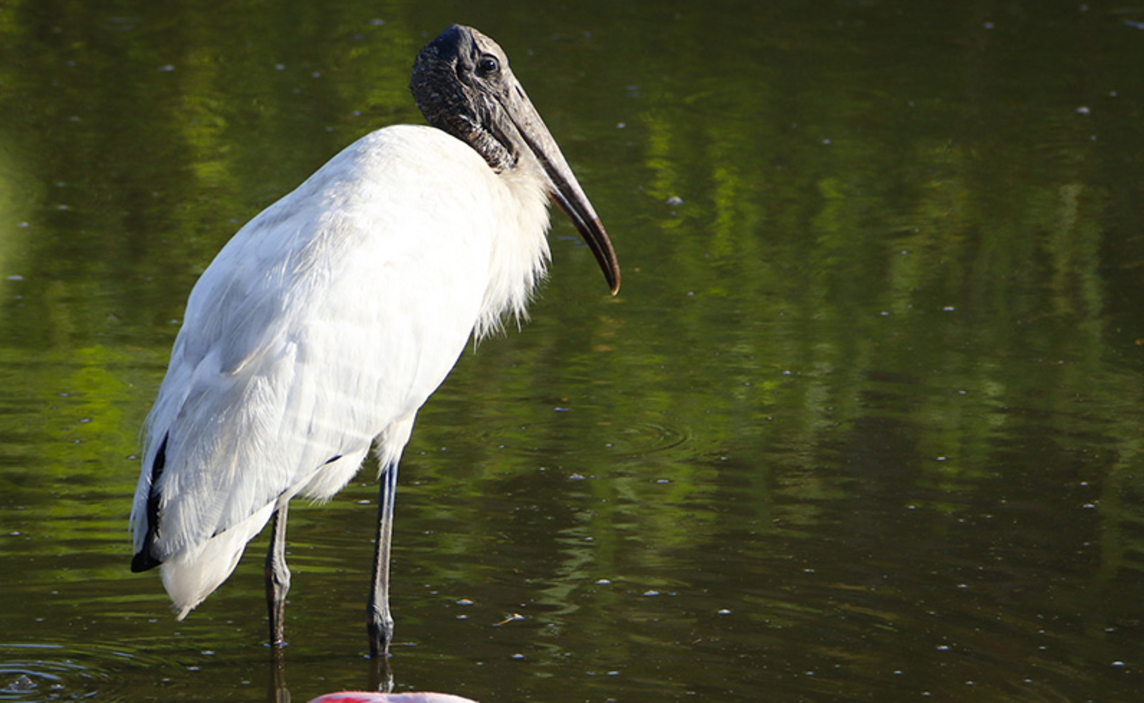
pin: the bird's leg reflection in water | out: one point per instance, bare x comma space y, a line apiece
380, 676
277, 692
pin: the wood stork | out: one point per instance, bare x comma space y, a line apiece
329, 319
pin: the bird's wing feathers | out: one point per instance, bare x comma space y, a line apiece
307, 335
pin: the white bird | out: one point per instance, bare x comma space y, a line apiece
332, 316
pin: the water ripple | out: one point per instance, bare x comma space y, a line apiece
40, 672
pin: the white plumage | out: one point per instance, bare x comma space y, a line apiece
329, 319
316, 329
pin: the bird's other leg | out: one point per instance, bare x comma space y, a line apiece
277, 578
378, 620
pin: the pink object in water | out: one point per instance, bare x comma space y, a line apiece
375, 697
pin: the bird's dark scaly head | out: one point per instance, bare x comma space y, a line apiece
463, 85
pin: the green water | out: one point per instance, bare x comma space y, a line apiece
863, 423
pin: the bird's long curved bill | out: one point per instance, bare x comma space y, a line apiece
570, 197
565, 190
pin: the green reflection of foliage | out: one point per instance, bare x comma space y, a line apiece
849, 274
969, 267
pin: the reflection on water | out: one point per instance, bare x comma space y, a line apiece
863, 423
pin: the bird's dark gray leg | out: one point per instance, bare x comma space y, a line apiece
378, 620
277, 578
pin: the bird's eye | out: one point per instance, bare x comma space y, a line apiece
487, 66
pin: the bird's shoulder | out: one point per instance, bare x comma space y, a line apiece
399, 151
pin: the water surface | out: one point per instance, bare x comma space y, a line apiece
863, 423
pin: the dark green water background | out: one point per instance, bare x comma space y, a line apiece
864, 422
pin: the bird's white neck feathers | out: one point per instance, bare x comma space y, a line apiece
520, 254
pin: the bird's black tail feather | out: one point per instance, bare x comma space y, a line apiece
144, 559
